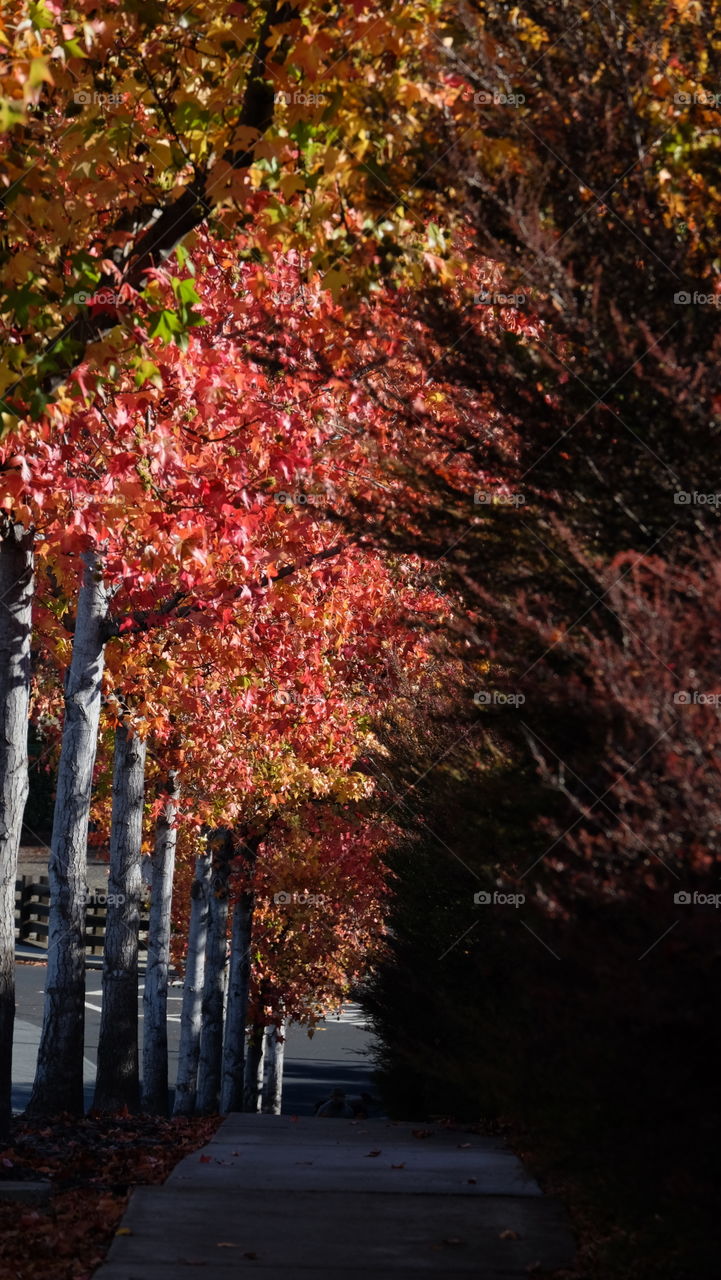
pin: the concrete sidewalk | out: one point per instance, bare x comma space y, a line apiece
341, 1200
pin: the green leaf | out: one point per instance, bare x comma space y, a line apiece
189, 116
10, 114
20, 300
146, 371
301, 132
38, 403
40, 16
186, 292
436, 238
74, 48
184, 259
163, 325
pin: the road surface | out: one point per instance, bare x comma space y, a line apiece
336, 1056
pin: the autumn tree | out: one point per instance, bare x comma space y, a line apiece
303, 124
16, 574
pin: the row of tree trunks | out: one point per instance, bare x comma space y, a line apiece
217, 1068
213, 1071
264, 1069
16, 595
213, 1064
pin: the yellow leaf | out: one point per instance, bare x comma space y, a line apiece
38, 73
335, 279
290, 183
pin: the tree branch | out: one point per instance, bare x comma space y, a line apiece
162, 229
140, 621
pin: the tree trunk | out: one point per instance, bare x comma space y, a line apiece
117, 1084
231, 1095
16, 594
155, 994
210, 1068
190, 1017
273, 1052
58, 1082
253, 1069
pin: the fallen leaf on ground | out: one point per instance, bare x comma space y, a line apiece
93, 1164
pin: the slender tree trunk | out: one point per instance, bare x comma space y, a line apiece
253, 1069
155, 994
190, 1018
59, 1075
231, 1095
210, 1067
16, 594
273, 1052
117, 1084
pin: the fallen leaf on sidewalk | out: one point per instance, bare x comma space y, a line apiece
205, 1159
372, 1153
508, 1235
422, 1133
398, 1166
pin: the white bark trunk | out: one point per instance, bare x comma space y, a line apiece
155, 994
16, 594
117, 1084
58, 1082
210, 1066
190, 1018
273, 1052
253, 1069
231, 1095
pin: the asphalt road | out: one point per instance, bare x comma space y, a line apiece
336, 1056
